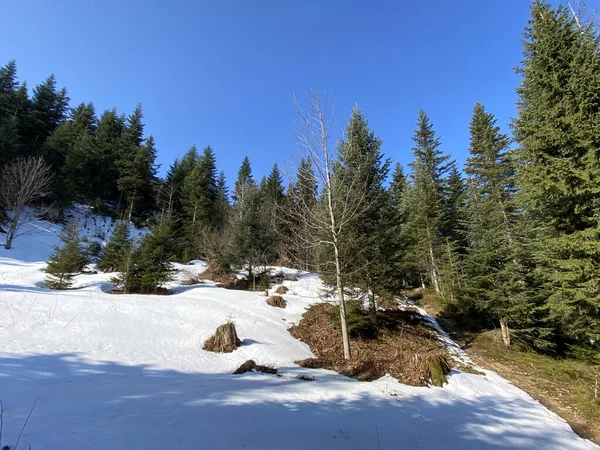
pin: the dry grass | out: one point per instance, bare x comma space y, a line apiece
281, 290
566, 386
387, 303
406, 348
276, 301
190, 278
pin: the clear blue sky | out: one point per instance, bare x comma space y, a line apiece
224, 72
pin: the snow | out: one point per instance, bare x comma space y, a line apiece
128, 371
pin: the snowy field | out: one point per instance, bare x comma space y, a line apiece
129, 372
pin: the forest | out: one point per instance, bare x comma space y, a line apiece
511, 240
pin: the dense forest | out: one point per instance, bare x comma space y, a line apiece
511, 241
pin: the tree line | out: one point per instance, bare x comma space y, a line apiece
511, 241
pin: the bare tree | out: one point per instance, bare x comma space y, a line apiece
23, 181
328, 224
584, 12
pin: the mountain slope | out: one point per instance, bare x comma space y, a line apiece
128, 371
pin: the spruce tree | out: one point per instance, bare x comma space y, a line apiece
495, 265
425, 203
244, 177
558, 133
148, 266
360, 173
113, 257
106, 152
66, 261
49, 108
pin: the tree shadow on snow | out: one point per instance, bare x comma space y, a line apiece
109, 405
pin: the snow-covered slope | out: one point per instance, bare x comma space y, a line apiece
129, 372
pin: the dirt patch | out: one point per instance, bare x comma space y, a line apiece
276, 301
225, 339
406, 348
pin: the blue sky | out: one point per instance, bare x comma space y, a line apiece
224, 72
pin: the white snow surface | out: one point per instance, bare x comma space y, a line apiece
129, 372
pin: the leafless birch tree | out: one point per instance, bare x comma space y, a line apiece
328, 223
23, 181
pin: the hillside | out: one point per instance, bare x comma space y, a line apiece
128, 371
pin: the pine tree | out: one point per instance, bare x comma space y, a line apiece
250, 242
397, 271
558, 132
148, 267
106, 151
48, 110
360, 174
199, 193
78, 164
244, 177
66, 261
222, 206
113, 257
496, 276
425, 203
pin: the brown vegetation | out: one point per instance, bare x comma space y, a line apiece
387, 303
406, 348
281, 290
225, 339
250, 366
276, 301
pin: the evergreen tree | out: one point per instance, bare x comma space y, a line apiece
78, 164
113, 257
222, 205
250, 242
496, 282
425, 203
558, 132
137, 180
360, 174
148, 267
199, 193
397, 271
66, 261
48, 110
244, 177
105, 153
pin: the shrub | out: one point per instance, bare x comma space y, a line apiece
66, 261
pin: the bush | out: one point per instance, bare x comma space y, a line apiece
66, 261
357, 318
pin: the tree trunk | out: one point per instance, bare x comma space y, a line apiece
505, 332
12, 229
340, 289
372, 307
131, 206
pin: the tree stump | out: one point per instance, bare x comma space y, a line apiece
277, 301
225, 339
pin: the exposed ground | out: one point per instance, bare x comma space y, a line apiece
567, 387
406, 347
